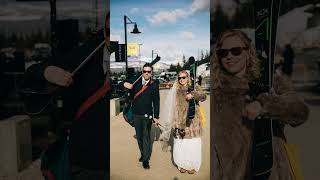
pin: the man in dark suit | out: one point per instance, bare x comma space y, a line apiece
145, 109
89, 135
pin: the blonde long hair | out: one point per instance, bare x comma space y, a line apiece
252, 64
179, 86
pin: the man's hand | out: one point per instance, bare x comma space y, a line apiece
128, 85
59, 76
252, 110
189, 96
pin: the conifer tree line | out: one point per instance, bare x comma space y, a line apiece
20, 40
244, 15
204, 58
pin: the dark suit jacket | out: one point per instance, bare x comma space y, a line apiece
149, 101
89, 137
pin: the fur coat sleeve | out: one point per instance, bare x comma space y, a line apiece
198, 94
284, 103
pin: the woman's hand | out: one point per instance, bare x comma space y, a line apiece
252, 110
189, 96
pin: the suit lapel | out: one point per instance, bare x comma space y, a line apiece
149, 83
138, 85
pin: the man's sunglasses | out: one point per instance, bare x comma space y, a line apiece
146, 71
182, 77
235, 51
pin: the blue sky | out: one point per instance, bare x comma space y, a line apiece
171, 28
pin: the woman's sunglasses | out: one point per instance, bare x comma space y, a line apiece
235, 51
182, 77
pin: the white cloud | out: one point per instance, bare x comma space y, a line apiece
116, 37
134, 10
173, 15
172, 48
187, 35
200, 5
167, 16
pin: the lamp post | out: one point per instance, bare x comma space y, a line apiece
134, 31
140, 56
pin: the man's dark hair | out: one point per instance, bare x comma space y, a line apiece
148, 65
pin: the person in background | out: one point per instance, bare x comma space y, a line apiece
186, 132
145, 109
234, 66
89, 132
199, 80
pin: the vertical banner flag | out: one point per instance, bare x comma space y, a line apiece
133, 50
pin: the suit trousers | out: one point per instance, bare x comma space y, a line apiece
142, 126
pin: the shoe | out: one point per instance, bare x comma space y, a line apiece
183, 170
140, 159
146, 165
192, 171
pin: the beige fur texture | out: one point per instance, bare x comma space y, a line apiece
231, 134
180, 115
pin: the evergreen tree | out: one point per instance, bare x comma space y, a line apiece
28, 41
3, 40
20, 41
47, 37
184, 62
13, 39
39, 36
172, 68
184, 59
201, 55
33, 39
220, 22
244, 16
207, 54
178, 68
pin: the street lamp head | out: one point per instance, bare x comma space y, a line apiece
135, 29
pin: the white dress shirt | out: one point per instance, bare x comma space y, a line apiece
144, 81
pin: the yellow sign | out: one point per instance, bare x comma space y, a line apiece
133, 49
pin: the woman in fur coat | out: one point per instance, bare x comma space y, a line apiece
186, 134
234, 66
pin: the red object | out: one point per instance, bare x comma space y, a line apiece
48, 174
93, 98
141, 90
